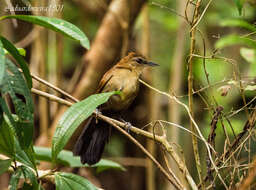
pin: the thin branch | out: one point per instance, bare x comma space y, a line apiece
190, 87
53, 87
51, 97
201, 16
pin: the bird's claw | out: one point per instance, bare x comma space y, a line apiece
128, 126
97, 112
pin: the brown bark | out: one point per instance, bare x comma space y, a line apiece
105, 49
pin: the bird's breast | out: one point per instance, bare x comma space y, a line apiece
127, 83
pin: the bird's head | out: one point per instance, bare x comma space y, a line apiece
136, 62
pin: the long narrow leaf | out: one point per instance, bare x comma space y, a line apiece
73, 117
234, 40
20, 60
238, 23
55, 24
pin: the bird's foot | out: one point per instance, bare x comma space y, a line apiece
97, 112
127, 125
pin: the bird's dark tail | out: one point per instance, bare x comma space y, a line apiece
90, 145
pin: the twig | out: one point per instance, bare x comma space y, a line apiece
211, 139
29, 38
190, 87
55, 88
51, 97
169, 9
249, 179
201, 16
236, 143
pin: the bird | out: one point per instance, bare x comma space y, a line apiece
123, 77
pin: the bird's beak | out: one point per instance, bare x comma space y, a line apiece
152, 64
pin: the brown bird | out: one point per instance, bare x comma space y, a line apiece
123, 77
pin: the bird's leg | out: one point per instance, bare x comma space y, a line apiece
127, 125
97, 112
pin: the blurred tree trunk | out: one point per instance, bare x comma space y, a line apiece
38, 63
151, 103
55, 54
175, 83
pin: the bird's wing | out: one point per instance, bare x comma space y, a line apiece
104, 81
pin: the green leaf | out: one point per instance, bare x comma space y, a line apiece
4, 165
238, 23
15, 53
25, 156
73, 117
55, 24
15, 85
2, 63
250, 88
10, 146
248, 54
29, 174
66, 158
239, 5
21, 51
13, 184
69, 181
7, 139
235, 40
104, 164
27, 186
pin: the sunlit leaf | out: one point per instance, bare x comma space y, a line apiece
55, 24
20, 50
235, 40
238, 23
248, 54
250, 87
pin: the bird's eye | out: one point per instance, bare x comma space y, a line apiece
139, 60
